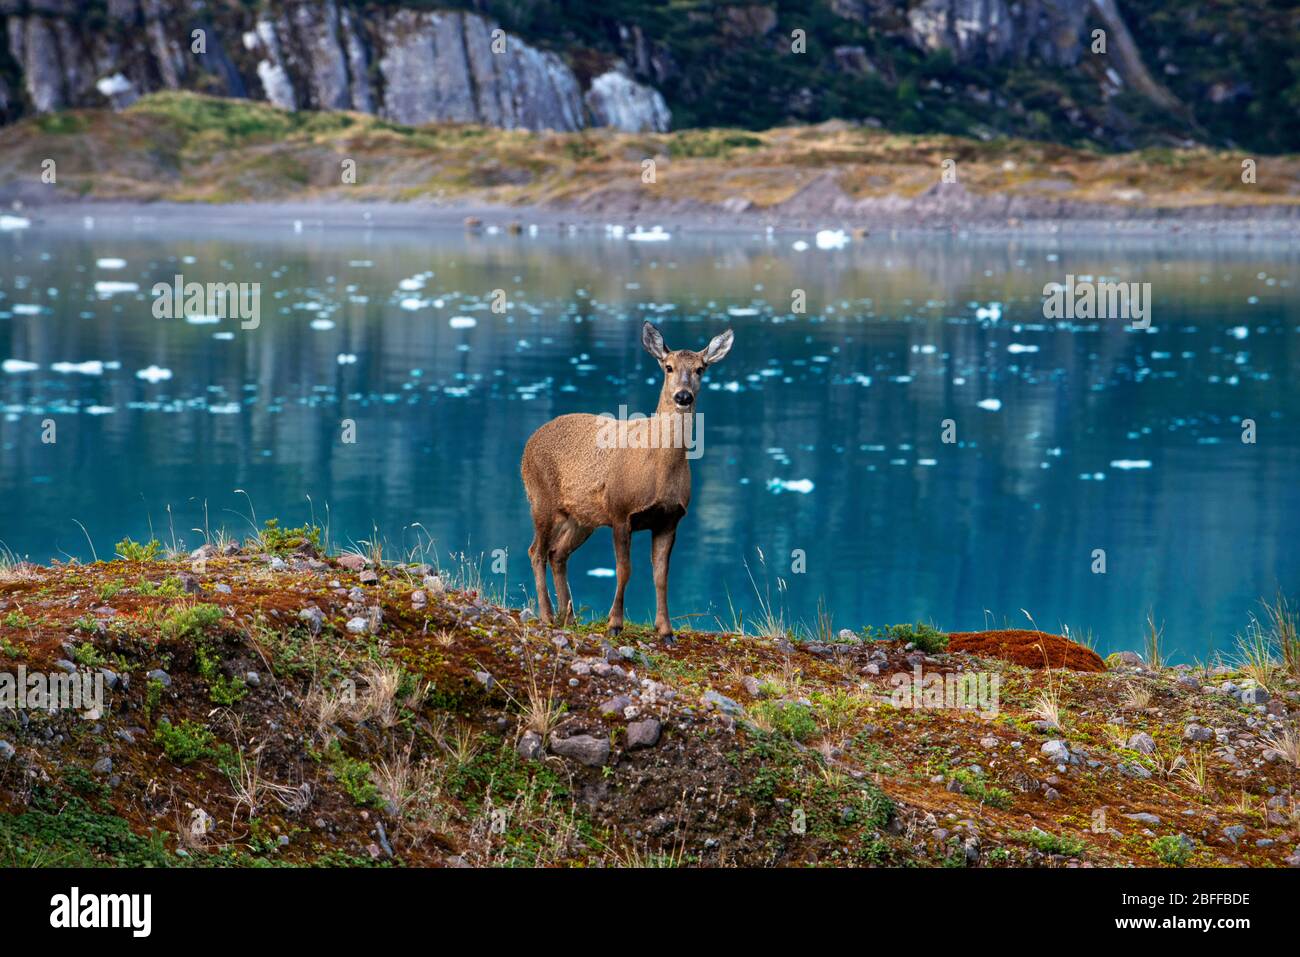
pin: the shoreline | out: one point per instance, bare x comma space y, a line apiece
475, 218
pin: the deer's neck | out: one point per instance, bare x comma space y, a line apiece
675, 429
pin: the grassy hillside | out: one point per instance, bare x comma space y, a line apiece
187, 147
270, 705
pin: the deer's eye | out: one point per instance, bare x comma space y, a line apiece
668, 368
700, 371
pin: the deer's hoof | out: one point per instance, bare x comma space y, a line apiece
668, 640
614, 631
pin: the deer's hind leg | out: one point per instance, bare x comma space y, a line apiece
568, 536
538, 553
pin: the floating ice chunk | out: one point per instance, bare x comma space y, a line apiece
201, 319
802, 486
831, 239
411, 285
601, 572
741, 311
322, 325
799, 245
1239, 332
992, 312
655, 234
347, 359
18, 365
91, 367
110, 262
106, 288
154, 374
26, 309
1127, 464
1018, 347
14, 222
990, 405
100, 409
411, 303
462, 322
224, 408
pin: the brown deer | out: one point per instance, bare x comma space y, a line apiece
584, 471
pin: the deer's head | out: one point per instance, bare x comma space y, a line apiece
683, 368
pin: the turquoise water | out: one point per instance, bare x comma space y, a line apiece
822, 430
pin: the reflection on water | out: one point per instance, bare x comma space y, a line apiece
823, 431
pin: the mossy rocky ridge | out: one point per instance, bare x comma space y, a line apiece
271, 705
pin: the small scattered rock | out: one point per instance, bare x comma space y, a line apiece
103, 766
583, 748
1234, 832
1142, 743
530, 746
352, 561
358, 625
643, 733
1194, 732
721, 702
160, 676
6, 751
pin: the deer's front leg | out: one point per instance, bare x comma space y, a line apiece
661, 549
623, 564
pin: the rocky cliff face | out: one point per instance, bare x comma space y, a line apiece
997, 30
410, 66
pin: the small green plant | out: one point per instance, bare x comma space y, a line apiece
132, 551
152, 696
227, 691
16, 619
187, 741
1051, 843
787, 718
975, 786
272, 538
169, 587
189, 621
926, 637
88, 655
1172, 850
108, 589
355, 776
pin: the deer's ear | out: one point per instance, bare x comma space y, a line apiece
718, 348
653, 341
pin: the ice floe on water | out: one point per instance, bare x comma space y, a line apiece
601, 572
110, 262
14, 222
1129, 464
990, 313
1016, 348
322, 325
462, 322
655, 234
802, 486
18, 365
831, 239
154, 374
105, 287
90, 367
990, 405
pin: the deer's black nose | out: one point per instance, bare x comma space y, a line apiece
683, 398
